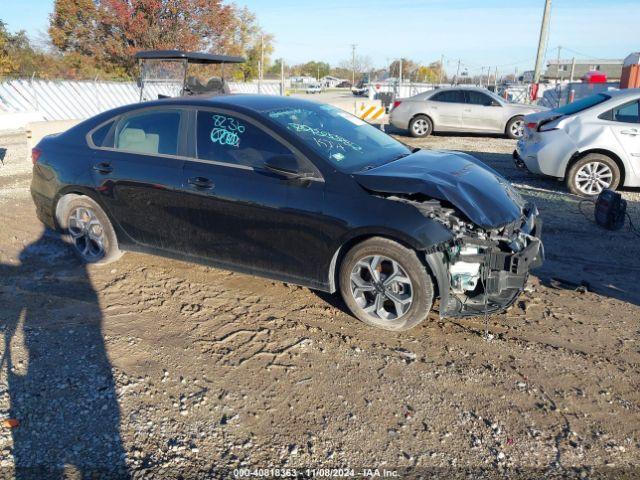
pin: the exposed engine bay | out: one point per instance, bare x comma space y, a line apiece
480, 270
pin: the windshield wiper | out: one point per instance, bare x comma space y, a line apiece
402, 155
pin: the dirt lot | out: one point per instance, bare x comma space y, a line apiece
155, 368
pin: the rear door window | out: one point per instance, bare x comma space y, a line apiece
628, 113
449, 96
100, 136
151, 132
228, 139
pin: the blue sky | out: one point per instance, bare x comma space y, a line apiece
481, 33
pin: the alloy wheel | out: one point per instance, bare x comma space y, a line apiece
87, 233
420, 126
381, 287
517, 128
593, 177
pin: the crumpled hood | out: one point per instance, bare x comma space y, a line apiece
478, 191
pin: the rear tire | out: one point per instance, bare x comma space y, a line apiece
515, 128
591, 174
87, 229
385, 285
420, 126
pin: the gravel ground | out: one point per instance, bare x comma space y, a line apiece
154, 368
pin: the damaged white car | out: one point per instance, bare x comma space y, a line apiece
593, 143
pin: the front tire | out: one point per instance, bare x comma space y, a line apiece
87, 228
591, 174
385, 285
515, 128
420, 126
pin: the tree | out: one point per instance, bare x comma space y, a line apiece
251, 42
7, 63
362, 65
107, 33
408, 66
73, 26
18, 57
315, 69
430, 74
276, 68
127, 26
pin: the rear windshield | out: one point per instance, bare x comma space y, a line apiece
582, 104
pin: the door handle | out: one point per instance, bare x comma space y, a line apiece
200, 183
103, 167
632, 132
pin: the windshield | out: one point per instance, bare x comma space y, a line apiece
338, 137
582, 104
497, 97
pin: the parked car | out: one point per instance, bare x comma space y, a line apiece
360, 90
314, 88
344, 84
292, 190
459, 109
593, 143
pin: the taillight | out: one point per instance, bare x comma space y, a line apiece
35, 155
532, 125
396, 103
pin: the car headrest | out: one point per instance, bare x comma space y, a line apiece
136, 140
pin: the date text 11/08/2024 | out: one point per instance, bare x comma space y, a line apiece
314, 473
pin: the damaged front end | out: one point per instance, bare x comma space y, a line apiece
495, 234
481, 270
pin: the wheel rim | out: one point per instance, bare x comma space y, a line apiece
593, 177
87, 233
381, 288
420, 127
517, 128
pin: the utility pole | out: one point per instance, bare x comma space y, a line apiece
400, 72
542, 41
495, 80
441, 69
261, 64
573, 68
353, 64
558, 66
282, 88
457, 71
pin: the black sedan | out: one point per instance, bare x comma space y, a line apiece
295, 191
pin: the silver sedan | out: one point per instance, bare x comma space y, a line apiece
460, 109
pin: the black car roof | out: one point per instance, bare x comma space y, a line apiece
257, 103
191, 57
246, 103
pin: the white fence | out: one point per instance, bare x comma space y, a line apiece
69, 100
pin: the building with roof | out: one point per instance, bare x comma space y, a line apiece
562, 70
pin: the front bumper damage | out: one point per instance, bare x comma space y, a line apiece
485, 271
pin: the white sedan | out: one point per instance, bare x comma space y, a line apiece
314, 88
593, 143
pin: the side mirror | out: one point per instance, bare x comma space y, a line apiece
285, 165
495, 103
